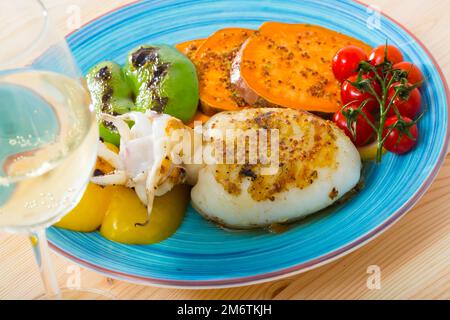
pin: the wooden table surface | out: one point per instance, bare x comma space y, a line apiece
413, 255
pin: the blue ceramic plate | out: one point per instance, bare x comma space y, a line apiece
201, 254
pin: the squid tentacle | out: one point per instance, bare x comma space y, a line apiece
151, 184
152, 181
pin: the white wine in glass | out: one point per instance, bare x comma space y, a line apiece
48, 130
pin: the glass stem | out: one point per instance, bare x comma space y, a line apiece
41, 253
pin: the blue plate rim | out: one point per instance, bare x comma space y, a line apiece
299, 268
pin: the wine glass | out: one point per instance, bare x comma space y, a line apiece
48, 131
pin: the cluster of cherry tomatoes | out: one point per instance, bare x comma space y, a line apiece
382, 105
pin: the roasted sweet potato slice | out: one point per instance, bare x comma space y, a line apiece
289, 65
199, 116
189, 48
213, 60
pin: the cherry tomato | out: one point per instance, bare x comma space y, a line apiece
393, 54
346, 62
414, 73
349, 93
362, 128
398, 141
407, 102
